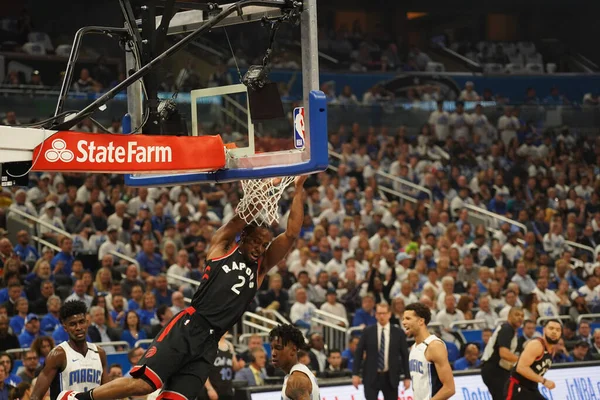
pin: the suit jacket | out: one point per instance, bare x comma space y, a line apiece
245, 374
397, 356
94, 334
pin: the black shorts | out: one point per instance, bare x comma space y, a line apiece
515, 391
180, 357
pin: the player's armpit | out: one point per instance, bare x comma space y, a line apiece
225, 236
298, 387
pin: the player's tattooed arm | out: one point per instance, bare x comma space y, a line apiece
55, 362
298, 387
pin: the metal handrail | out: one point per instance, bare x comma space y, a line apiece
328, 324
496, 216
326, 314
244, 336
580, 246
588, 316
142, 341
401, 195
258, 317
116, 343
256, 326
500, 321
354, 329
394, 178
276, 314
184, 279
435, 325
46, 243
64, 233
464, 322
560, 317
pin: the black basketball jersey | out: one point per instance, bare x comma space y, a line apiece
540, 366
221, 374
227, 287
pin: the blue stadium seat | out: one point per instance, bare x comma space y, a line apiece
473, 335
453, 352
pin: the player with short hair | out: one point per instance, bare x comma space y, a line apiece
533, 363
181, 356
299, 382
74, 365
430, 370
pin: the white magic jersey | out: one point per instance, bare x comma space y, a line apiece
82, 373
425, 380
314, 394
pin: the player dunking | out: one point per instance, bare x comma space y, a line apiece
181, 356
299, 382
430, 370
533, 363
74, 365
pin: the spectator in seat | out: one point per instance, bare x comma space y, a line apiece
321, 287
348, 353
31, 364
529, 332
255, 372
585, 332
134, 205
14, 293
332, 306
132, 331
439, 120
85, 83
581, 352
318, 357
486, 334
5, 388
335, 367
115, 371
486, 313
164, 316
561, 354
302, 310
468, 94
304, 283
470, 360
26, 252
276, 298
112, 243
161, 291
49, 216
79, 221
119, 216
17, 322
99, 332
178, 302
30, 332
42, 346
254, 342
51, 320
79, 293
11, 118
40, 305
365, 316
63, 261
523, 279
8, 341
147, 310
448, 315
134, 356
595, 349
151, 262
8, 362
131, 280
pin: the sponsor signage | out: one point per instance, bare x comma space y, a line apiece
578, 383
87, 152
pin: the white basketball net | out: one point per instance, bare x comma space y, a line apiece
261, 199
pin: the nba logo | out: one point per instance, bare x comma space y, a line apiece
299, 127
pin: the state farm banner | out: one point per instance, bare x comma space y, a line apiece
128, 154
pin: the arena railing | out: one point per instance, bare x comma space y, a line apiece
251, 323
590, 317
540, 320
118, 343
495, 216
276, 314
184, 279
581, 246
334, 336
36, 221
466, 322
393, 178
246, 336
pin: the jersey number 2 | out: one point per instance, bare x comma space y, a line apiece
235, 287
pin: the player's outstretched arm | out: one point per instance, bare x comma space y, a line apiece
55, 363
284, 242
298, 386
533, 349
102, 354
438, 355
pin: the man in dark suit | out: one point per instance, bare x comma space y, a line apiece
386, 360
99, 332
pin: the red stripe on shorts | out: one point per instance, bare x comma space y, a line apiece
148, 373
167, 394
511, 388
187, 311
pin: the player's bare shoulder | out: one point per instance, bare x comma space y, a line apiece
298, 387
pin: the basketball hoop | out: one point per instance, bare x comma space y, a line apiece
261, 199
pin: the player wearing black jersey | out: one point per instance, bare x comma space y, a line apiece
533, 363
181, 356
